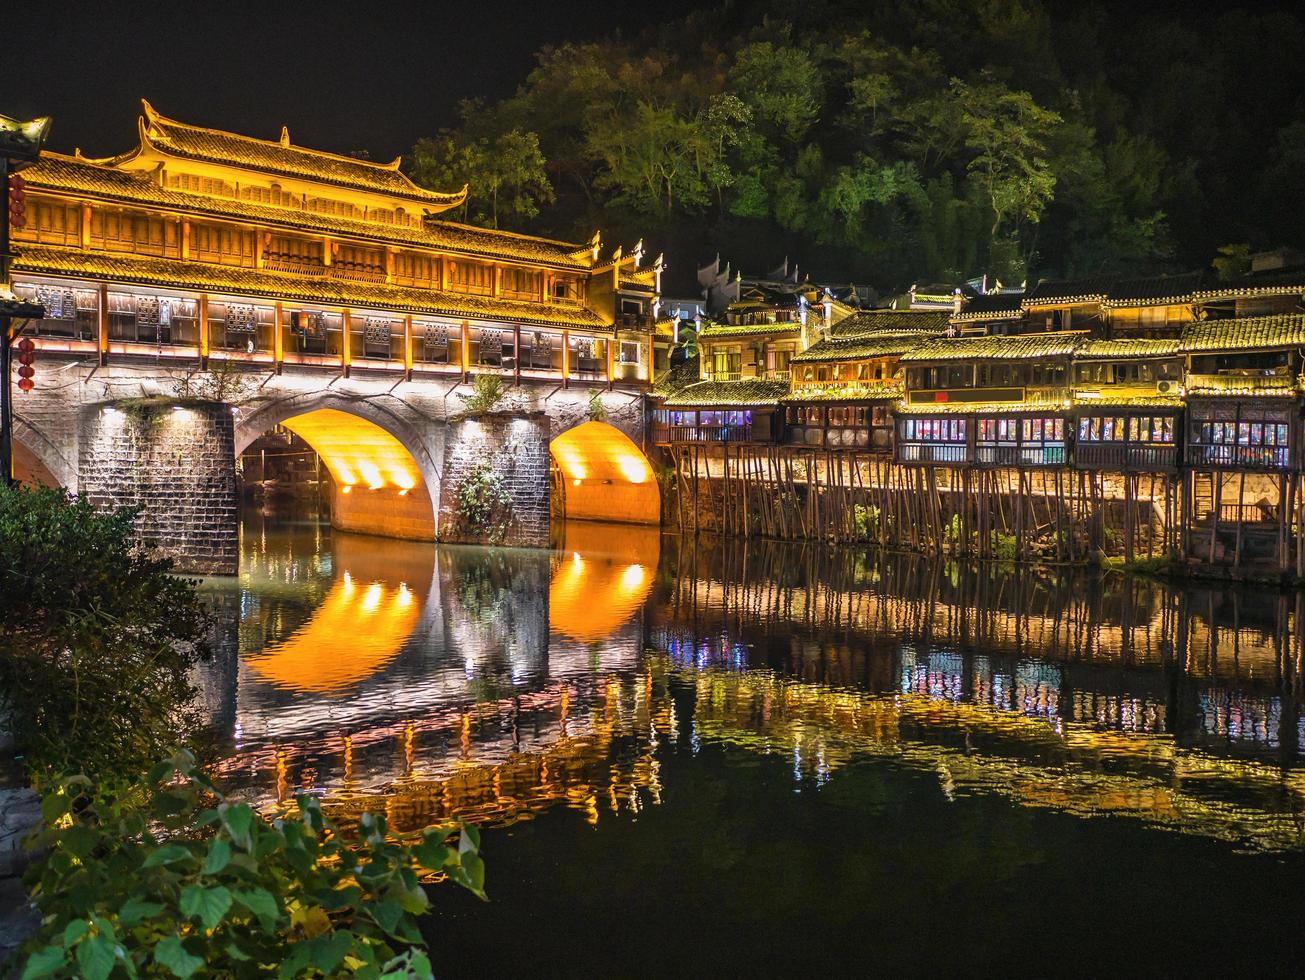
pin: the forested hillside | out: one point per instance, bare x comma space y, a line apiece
890, 142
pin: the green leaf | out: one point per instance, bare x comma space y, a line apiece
44, 963
219, 854
172, 956
206, 904
54, 806
74, 931
95, 957
136, 910
238, 818
259, 901
236, 953
387, 915
328, 951
165, 855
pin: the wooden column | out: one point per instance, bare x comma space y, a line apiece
389, 266
346, 341
102, 323
611, 360
259, 259
498, 280
566, 362
516, 353
278, 335
185, 238
466, 349
203, 328
407, 347
86, 226
326, 252
442, 273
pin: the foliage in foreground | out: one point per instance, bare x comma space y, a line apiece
484, 504
97, 638
179, 880
487, 392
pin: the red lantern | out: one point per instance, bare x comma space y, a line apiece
27, 345
26, 371
25, 384
17, 202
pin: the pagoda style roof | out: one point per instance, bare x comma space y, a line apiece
1029, 406
865, 322
752, 393
992, 306
89, 178
178, 139
1277, 332
314, 290
1018, 347
1154, 290
1128, 348
860, 348
1054, 292
719, 331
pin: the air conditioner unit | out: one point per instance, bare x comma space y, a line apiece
1167, 387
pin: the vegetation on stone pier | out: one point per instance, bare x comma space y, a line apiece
890, 143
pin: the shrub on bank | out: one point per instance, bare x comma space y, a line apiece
97, 639
178, 880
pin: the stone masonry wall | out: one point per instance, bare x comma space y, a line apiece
175, 461
516, 449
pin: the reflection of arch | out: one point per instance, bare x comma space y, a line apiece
381, 468
605, 575
361, 625
606, 477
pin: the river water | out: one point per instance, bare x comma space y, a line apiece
754, 759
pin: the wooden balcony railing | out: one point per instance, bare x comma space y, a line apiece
1125, 456
664, 434
1045, 455
928, 452
295, 267
1254, 457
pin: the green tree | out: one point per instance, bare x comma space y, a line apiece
505, 175
653, 159
97, 638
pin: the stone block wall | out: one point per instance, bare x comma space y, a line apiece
177, 462
515, 448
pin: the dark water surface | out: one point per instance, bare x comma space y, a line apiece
785, 760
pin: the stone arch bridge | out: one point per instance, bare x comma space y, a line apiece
167, 440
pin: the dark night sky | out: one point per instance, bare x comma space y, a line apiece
361, 75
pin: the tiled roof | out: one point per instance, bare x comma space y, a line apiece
72, 175
992, 306
859, 348
144, 270
680, 376
1049, 292
1128, 348
1280, 282
1127, 401
982, 408
718, 331
1208, 385
1154, 290
862, 391
744, 394
283, 157
1018, 347
879, 321
1277, 332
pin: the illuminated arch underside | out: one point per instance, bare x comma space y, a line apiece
603, 579
357, 452
607, 477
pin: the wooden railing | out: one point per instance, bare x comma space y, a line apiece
1052, 455
663, 433
1256, 457
295, 267
1121, 455
928, 452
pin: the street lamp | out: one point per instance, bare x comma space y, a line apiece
20, 147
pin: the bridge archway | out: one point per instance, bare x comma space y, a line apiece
37, 461
604, 476
381, 472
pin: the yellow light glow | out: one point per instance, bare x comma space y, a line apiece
616, 476
632, 578
356, 451
352, 635
605, 582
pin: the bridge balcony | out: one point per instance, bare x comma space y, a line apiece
1048, 454
1224, 456
934, 454
1123, 456
674, 434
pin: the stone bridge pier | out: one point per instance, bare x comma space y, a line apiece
400, 454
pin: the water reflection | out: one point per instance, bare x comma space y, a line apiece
494, 684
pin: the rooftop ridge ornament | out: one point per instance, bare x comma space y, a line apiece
21, 141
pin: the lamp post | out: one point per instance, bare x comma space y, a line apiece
20, 147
